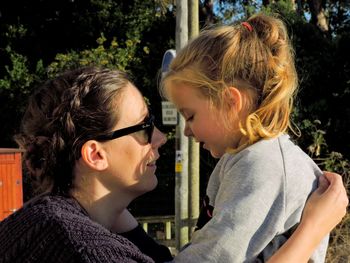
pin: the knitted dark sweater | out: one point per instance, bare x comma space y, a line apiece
57, 229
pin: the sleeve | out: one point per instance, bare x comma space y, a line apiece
248, 214
148, 246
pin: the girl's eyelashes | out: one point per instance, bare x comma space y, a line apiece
189, 118
187, 115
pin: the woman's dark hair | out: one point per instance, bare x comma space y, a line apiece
61, 116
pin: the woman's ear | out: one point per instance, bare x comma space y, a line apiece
94, 155
235, 98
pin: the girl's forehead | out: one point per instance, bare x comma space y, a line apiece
183, 89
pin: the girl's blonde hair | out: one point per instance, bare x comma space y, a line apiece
257, 59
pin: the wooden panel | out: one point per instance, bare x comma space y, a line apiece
7, 158
2, 193
11, 191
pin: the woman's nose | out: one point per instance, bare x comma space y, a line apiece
158, 138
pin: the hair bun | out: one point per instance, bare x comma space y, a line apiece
270, 30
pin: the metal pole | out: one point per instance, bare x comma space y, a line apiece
181, 167
193, 151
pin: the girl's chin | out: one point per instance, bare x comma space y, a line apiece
215, 155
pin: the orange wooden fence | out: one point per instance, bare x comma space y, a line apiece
11, 189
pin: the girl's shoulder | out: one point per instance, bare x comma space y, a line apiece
257, 153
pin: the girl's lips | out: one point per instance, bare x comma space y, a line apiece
204, 146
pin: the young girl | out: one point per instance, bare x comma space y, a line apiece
234, 85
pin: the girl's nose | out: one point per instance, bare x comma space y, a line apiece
158, 138
187, 131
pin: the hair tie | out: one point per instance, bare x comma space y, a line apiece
247, 26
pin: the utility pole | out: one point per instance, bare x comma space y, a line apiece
194, 150
193, 21
181, 141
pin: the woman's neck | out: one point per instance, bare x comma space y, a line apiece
103, 206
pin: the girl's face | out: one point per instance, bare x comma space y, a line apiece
131, 159
204, 123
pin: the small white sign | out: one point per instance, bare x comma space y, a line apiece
169, 113
178, 156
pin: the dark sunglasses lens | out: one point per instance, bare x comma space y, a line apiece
150, 130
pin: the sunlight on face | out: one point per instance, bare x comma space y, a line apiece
132, 161
205, 124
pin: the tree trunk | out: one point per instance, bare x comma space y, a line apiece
318, 15
299, 7
265, 2
193, 146
206, 14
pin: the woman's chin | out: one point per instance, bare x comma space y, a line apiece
148, 185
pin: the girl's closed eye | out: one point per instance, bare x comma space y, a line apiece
190, 118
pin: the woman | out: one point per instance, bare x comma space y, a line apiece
91, 148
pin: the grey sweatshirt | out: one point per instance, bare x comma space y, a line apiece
258, 196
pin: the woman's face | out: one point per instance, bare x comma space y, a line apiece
131, 159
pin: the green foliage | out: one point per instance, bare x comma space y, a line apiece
113, 55
313, 140
17, 74
15, 85
312, 133
71, 28
285, 10
14, 32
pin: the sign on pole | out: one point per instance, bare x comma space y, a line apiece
169, 113
168, 56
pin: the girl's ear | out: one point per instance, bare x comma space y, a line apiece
235, 98
94, 155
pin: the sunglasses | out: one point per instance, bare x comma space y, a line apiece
147, 126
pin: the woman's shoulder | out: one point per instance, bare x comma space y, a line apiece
88, 237
34, 231
58, 222
45, 213
67, 215
52, 208
54, 215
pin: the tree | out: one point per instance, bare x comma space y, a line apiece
318, 14
35, 33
